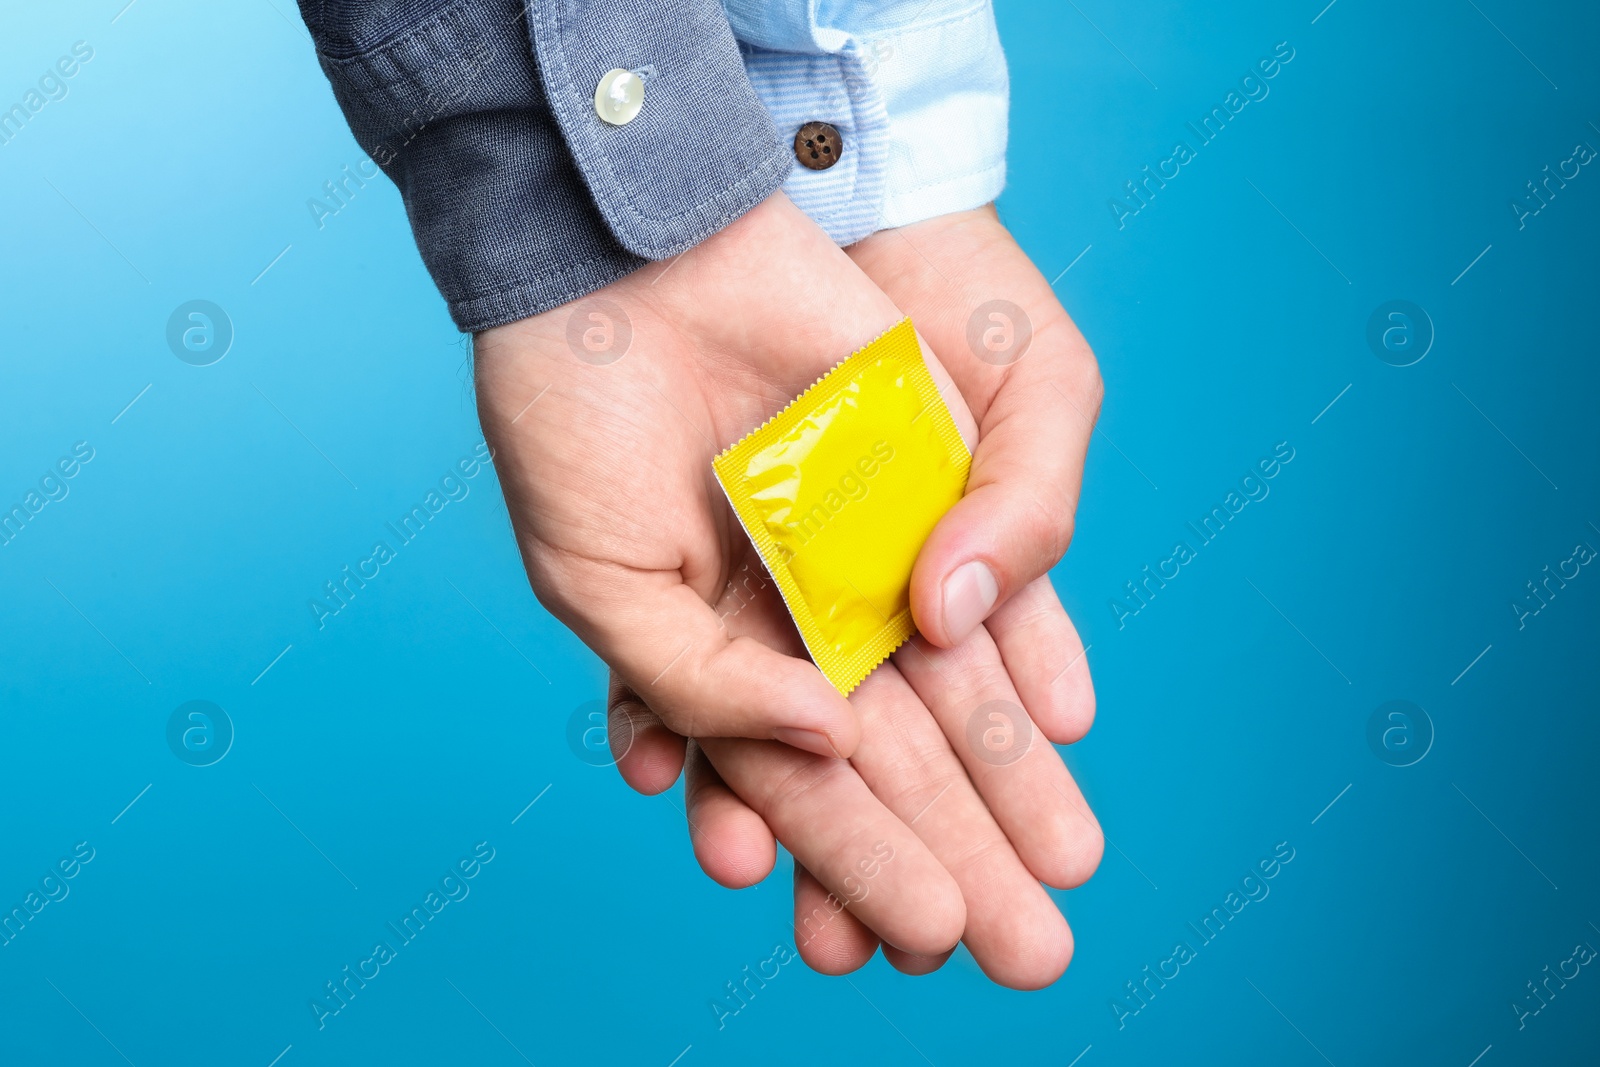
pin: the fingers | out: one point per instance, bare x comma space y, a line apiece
735, 848
731, 842
1018, 773
1015, 521
1014, 930
670, 648
829, 938
1030, 379
839, 831
648, 755
906, 963
1046, 660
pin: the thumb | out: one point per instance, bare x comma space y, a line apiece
1016, 519
668, 647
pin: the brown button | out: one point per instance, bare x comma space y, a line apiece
818, 146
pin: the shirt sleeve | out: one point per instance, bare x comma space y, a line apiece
917, 88
520, 197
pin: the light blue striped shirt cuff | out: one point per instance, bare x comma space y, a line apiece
917, 88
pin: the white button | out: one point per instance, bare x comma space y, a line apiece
619, 96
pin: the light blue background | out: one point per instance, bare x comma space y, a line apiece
420, 721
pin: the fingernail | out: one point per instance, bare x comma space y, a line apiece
969, 595
809, 740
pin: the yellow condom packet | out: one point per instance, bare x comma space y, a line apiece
839, 491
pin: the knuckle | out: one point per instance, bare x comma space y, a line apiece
1049, 521
680, 720
984, 859
919, 796
623, 702
1094, 384
982, 675
1036, 615
809, 775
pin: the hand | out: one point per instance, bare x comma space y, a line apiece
1013, 929
923, 837
604, 416
586, 487
916, 790
1035, 393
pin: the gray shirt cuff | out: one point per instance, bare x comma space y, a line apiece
520, 197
